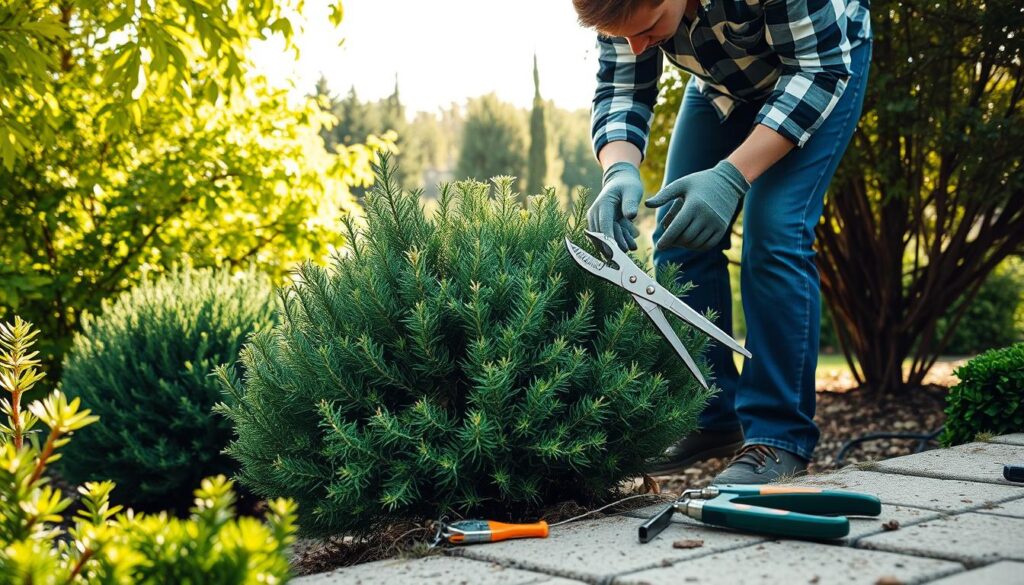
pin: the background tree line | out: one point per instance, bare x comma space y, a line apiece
544, 146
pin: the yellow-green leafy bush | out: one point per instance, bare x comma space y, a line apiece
103, 543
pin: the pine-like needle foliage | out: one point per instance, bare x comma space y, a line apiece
461, 363
144, 366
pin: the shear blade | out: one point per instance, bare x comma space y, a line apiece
657, 316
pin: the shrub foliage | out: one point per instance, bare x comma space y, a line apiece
102, 543
455, 363
991, 318
144, 366
989, 397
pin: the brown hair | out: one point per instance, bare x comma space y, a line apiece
603, 14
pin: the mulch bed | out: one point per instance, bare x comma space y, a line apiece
841, 415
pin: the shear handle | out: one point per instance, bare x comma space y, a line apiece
773, 521
807, 500
655, 524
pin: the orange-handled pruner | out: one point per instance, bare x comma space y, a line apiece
474, 531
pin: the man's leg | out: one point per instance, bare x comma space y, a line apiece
699, 142
775, 398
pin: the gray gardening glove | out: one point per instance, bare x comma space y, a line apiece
705, 202
613, 211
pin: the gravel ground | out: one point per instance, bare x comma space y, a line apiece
842, 415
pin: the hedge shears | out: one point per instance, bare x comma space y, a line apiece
775, 510
651, 296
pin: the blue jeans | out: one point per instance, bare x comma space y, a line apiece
773, 399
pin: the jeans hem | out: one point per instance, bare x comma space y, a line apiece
717, 429
802, 452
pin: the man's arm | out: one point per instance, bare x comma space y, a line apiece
619, 151
627, 89
809, 37
762, 148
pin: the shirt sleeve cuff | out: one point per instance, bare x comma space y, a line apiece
603, 137
776, 120
800, 104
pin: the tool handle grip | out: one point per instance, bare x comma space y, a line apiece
502, 531
807, 500
1013, 473
655, 524
773, 521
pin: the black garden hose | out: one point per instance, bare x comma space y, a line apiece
922, 444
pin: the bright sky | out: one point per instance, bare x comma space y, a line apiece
443, 51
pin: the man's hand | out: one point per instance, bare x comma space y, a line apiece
709, 199
613, 211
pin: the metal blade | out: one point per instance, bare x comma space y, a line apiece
609, 248
591, 264
657, 316
684, 312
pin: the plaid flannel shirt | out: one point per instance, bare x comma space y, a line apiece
794, 52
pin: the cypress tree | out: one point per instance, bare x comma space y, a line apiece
537, 167
460, 363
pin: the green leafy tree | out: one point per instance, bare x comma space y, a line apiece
144, 365
537, 169
493, 140
327, 101
991, 318
462, 363
392, 113
151, 139
355, 120
424, 149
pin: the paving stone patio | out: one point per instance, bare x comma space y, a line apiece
960, 523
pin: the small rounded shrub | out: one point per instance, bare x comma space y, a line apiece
143, 365
460, 363
989, 397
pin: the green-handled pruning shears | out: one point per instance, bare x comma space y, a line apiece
651, 296
794, 511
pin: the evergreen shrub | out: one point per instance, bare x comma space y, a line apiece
102, 543
143, 365
989, 397
460, 363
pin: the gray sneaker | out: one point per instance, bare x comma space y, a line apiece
761, 464
694, 448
